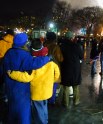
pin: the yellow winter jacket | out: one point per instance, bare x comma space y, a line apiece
41, 80
5, 44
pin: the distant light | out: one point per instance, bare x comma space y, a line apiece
27, 30
91, 34
58, 33
98, 35
102, 33
51, 25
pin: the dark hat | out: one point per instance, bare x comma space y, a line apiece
10, 31
36, 44
20, 39
69, 35
50, 36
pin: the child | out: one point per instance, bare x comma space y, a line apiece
42, 81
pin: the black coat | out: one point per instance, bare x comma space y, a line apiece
94, 50
71, 66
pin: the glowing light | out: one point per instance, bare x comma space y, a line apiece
58, 34
16, 30
51, 25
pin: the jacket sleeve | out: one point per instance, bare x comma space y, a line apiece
40, 61
21, 60
20, 76
57, 76
35, 63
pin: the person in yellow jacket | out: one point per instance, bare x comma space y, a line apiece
6, 42
41, 82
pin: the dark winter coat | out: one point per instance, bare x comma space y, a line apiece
71, 67
94, 51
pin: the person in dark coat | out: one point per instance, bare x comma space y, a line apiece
18, 94
100, 50
71, 70
94, 55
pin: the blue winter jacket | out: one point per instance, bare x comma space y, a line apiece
18, 93
19, 59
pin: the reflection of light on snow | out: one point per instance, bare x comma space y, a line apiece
96, 82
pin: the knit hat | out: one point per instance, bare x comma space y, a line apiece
36, 44
20, 39
69, 35
10, 31
50, 36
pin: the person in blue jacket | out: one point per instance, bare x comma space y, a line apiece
18, 94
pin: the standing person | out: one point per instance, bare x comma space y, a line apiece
94, 55
41, 85
18, 94
54, 51
6, 43
71, 70
100, 50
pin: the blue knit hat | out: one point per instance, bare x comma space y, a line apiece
20, 39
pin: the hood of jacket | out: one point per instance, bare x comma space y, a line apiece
8, 38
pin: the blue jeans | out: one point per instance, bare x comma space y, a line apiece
40, 111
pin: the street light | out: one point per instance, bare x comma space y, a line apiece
52, 27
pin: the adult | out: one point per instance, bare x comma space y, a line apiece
94, 55
18, 94
100, 50
6, 42
71, 70
41, 83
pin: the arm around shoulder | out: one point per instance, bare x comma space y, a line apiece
20, 76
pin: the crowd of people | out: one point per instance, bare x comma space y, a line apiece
31, 75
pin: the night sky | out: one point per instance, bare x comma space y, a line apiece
10, 8
13, 8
